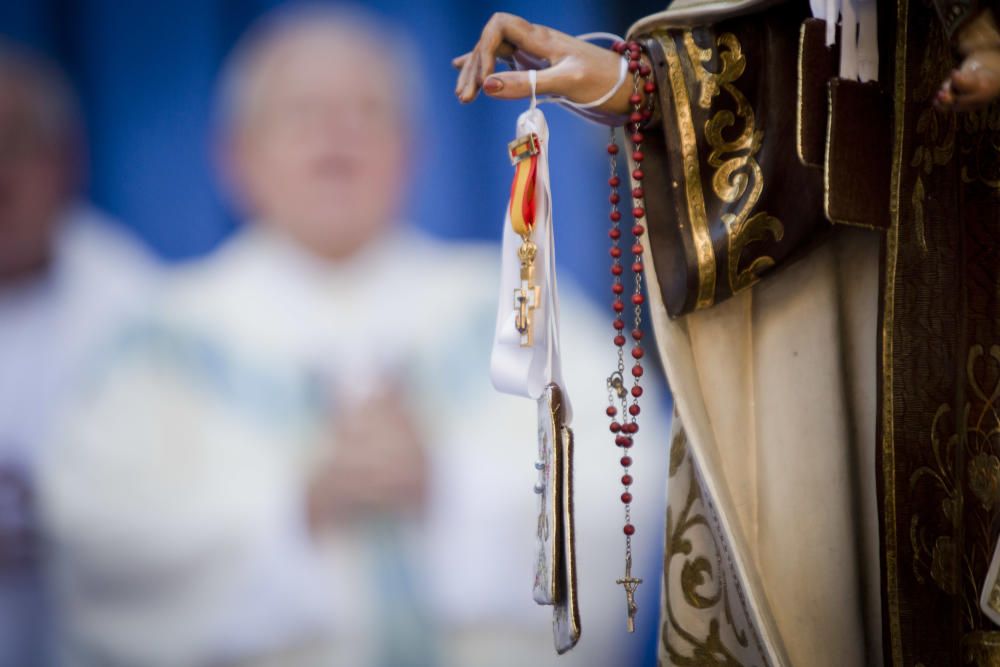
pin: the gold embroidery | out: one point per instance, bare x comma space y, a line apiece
982, 648
703, 582
980, 163
968, 459
735, 174
692, 176
937, 149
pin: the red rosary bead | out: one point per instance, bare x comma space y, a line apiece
633, 66
638, 212
620, 340
637, 174
614, 181
638, 230
635, 117
615, 252
638, 156
614, 198
615, 427
626, 461
637, 193
618, 306
638, 299
615, 216
617, 270
611, 411
637, 391
629, 529
637, 334
644, 69
620, 440
635, 98
637, 137
649, 87
637, 371
618, 324
637, 267
612, 149
626, 497
614, 233
617, 288
638, 352
637, 250
634, 410
626, 480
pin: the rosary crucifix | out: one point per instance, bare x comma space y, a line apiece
630, 583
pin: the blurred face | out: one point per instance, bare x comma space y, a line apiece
321, 152
34, 184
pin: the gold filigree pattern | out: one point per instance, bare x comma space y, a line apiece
979, 163
965, 448
701, 588
736, 168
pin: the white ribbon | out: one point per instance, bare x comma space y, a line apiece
526, 371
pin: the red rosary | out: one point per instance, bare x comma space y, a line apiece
625, 427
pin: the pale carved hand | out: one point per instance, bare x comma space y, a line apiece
379, 467
577, 70
976, 82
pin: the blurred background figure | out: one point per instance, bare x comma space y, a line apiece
297, 458
68, 276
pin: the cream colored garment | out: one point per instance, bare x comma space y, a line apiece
776, 390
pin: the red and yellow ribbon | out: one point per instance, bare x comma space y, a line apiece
524, 154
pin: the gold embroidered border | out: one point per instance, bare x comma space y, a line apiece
692, 175
891, 255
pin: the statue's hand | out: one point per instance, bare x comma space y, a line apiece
976, 82
568, 67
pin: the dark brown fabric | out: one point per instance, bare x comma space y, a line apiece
939, 455
817, 65
756, 219
956, 13
858, 155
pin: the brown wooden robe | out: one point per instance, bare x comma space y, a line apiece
746, 176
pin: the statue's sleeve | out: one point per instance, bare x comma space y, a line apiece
736, 178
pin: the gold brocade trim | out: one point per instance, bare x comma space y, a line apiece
740, 171
692, 176
888, 311
705, 592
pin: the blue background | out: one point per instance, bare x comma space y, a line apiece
146, 72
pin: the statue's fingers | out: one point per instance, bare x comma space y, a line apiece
460, 61
468, 86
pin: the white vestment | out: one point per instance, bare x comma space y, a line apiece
176, 498
775, 389
50, 325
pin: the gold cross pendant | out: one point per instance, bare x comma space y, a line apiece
630, 583
527, 296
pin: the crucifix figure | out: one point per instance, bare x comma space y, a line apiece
527, 296
630, 583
